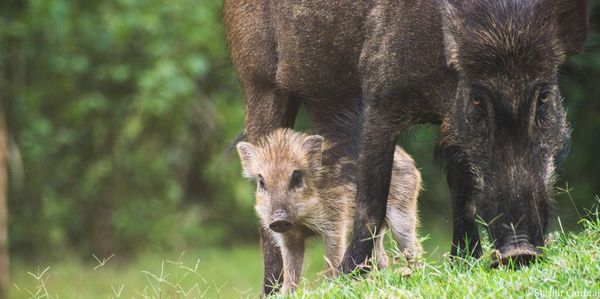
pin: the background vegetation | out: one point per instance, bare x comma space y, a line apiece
119, 115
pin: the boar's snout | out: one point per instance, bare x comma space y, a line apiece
280, 221
517, 251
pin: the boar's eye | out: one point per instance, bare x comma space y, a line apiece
477, 105
476, 98
296, 181
544, 96
261, 182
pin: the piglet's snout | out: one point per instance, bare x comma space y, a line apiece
280, 221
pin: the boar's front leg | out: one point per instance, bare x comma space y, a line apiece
266, 110
465, 239
373, 183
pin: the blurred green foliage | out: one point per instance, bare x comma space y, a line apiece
119, 110
121, 113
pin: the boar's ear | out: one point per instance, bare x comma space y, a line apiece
312, 145
452, 26
572, 20
247, 153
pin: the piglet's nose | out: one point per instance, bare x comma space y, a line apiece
281, 226
280, 222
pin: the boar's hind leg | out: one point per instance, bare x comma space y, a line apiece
373, 184
253, 50
465, 239
267, 110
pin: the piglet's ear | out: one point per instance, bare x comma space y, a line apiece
452, 26
312, 145
247, 153
572, 20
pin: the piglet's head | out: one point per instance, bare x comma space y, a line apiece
286, 166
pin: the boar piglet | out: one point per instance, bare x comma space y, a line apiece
297, 196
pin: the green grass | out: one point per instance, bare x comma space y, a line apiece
212, 273
570, 267
221, 273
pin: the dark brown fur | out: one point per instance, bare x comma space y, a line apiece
412, 62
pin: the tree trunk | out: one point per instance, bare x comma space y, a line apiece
4, 261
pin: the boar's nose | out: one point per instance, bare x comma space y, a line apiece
517, 253
280, 223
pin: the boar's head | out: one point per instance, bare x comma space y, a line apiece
507, 122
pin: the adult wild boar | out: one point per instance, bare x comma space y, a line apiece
485, 71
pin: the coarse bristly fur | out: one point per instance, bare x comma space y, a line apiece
321, 199
508, 129
484, 71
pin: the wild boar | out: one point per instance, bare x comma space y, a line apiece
484, 71
297, 196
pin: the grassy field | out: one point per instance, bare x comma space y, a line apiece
209, 273
224, 273
570, 269
570, 266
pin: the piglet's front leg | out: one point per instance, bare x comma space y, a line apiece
292, 251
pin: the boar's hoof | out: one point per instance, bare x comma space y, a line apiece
516, 256
281, 226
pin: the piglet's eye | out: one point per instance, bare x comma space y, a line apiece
261, 182
296, 181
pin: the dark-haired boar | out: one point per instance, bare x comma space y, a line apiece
485, 72
297, 196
